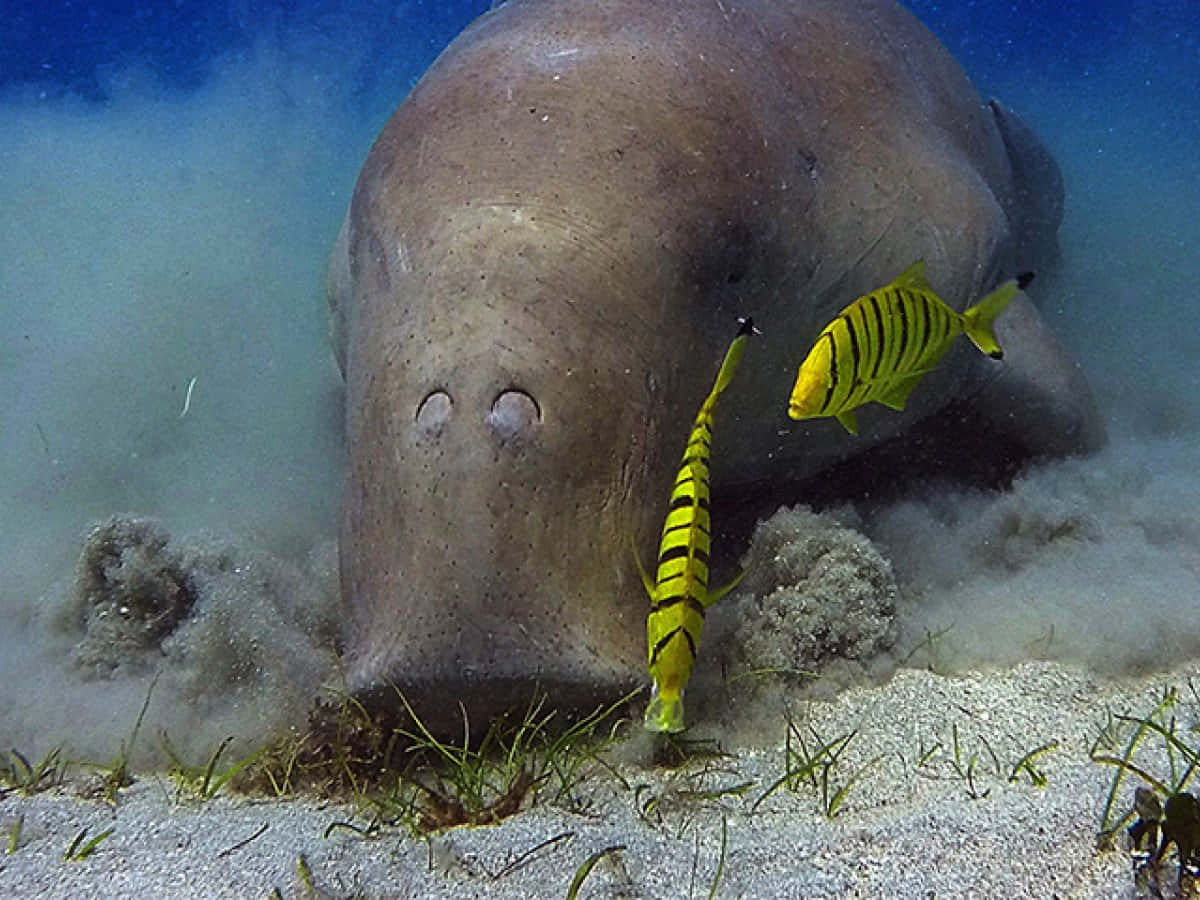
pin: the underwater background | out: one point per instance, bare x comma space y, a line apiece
172, 177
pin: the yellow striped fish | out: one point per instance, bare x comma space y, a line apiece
679, 593
881, 346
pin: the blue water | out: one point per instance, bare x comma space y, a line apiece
66, 46
173, 174
72, 46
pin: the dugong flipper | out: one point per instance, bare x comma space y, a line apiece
544, 252
1035, 204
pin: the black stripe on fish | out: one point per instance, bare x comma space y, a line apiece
853, 344
681, 550
699, 525
682, 500
833, 372
666, 639
676, 599
913, 304
937, 324
923, 302
673, 553
662, 643
909, 329
870, 342
691, 641
947, 324
860, 338
902, 312
882, 345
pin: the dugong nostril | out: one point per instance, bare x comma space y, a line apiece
513, 414
433, 413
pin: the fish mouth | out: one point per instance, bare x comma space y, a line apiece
799, 411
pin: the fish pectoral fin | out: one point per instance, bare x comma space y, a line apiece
714, 596
897, 396
647, 581
849, 420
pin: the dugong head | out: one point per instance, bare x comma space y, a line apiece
523, 350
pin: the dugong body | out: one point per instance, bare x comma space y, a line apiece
546, 253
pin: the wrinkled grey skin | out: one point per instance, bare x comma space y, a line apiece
543, 262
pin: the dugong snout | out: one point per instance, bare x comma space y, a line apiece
489, 507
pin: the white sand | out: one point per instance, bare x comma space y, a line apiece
899, 834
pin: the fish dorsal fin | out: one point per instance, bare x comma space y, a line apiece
913, 278
849, 420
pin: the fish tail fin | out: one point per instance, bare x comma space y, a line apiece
733, 355
978, 321
664, 714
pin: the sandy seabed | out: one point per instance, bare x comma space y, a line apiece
910, 825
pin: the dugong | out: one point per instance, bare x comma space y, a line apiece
545, 255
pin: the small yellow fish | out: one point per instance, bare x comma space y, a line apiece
679, 594
882, 345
